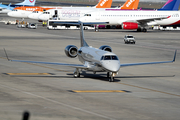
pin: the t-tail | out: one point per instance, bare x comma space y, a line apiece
130, 5
83, 42
27, 3
171, 5
104, 4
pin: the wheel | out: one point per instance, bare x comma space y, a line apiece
107, 74
144, 30
76, 75
111, 79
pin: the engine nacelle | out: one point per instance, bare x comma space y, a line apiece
71, 51
129, 25
106, 48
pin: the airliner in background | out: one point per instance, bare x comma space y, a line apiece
133, 19
24, 11
76, 13
8, 8
93, 59
66, 12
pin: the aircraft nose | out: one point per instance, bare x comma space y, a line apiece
111, 65
82, 19
10, 14
42, 17
31, 16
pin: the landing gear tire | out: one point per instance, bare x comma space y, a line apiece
107, 74
139, 30
76, 75
111, 79
144, 30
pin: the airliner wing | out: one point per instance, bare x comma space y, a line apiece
147, 63
146, 20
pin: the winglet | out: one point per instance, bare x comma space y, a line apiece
6, 55
174, 56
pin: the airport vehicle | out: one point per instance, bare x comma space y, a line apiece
129, 39
75, 13
8, 8
32, 25
24, 11
93, 59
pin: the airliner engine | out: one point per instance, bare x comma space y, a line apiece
129, 25
106, 48
71, 51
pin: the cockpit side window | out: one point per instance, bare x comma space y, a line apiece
102, 57
114, 57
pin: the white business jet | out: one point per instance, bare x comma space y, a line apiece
94, 59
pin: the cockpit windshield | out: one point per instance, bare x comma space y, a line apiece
87, 15
109, 57
46, 12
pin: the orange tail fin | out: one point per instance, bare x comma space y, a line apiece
104, 4
130, 4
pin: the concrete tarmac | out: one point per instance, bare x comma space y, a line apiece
149, 92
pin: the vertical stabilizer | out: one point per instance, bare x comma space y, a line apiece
171, 5
27, 3
104, 4
130, 5
83, 42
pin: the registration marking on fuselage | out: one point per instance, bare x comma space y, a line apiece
98, 91
28, 73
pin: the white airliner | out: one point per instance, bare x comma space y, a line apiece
23, 12
94, 59
133, 19
74, 13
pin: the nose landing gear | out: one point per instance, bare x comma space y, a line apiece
111, 75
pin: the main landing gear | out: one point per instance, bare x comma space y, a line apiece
76, 73
142, 30
110, 76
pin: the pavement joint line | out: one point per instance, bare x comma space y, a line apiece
150, 89
98, 91
28, 73
57, 102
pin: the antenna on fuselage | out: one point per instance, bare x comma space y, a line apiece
83, 42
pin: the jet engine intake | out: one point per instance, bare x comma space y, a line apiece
106, 48
71, 51
129, 25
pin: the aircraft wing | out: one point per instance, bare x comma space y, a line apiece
147, 63
146, 20
50, 63
53, 63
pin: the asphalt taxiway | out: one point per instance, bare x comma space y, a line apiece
50, 92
